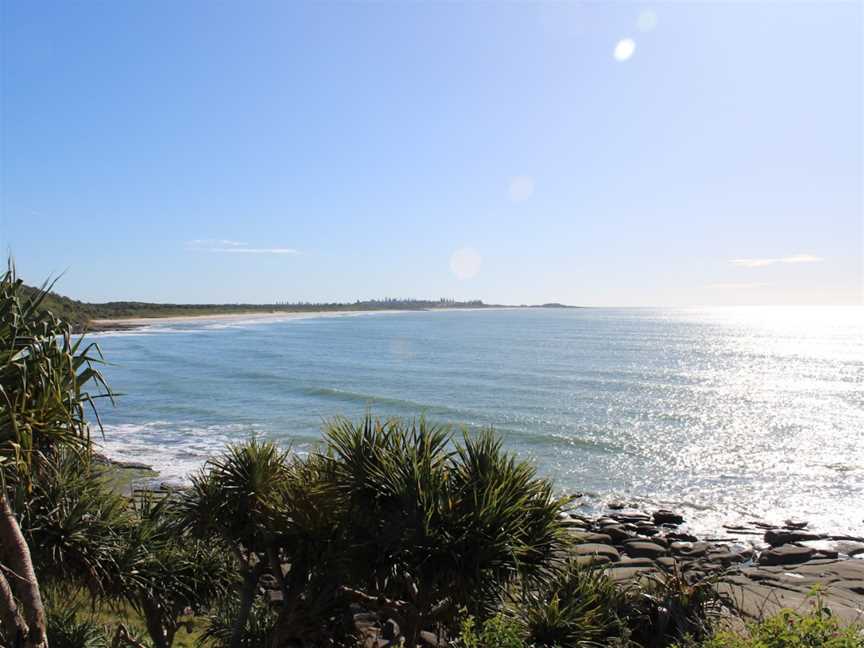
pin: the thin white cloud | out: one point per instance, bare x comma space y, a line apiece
761, 263
801, 258
239, 250
234, 247
753, 263
198, 243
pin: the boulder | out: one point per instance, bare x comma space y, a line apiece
631, 517
617, 533
646, 528
683, 537
589, 536
787, 554
690, 549
597, 549
667, 517
643, 549
778, 537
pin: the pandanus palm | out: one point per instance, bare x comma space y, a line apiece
434, 525
44, 377
238, 498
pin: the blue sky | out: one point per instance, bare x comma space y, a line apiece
596, 153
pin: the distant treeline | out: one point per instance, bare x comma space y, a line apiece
81, 314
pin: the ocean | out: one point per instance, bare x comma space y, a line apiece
724, 414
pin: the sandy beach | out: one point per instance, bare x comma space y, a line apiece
129, 322
125, 322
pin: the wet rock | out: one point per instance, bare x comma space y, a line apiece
597, 549
617, 533
664, 516
759, 591
631, 517
681, 537
795, 524
724, 558
689, 549
826, 554
778, 537
643, 549
571, 523
606, 521
647, 529
633, 562
787, 554
590, 536
850, 548
615, 506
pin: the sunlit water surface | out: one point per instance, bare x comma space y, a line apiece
726, 414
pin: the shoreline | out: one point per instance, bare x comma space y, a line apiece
131, 323
101, 324
757, 568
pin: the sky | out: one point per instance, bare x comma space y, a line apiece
605, 154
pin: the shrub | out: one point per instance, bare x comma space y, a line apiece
256, 633
578, 606
498, 631
432, 525
664, 609
790, 629
67, 630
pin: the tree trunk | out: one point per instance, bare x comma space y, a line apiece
276, 568
13, 625
155, 628
18, 557
247, 598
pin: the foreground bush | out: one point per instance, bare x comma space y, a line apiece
790, 629
44, 380
577, 607
400, 518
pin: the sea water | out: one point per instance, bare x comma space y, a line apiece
725, 414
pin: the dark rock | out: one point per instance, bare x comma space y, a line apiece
631, 517
678, 536
615, 506
617, 533
633, 562
795, 524
606, 521
590, 536
725, 558
646, 528
667, 517
690, 550
594, 560
597, 549
787, 554
572, 523
643, 549
777, 537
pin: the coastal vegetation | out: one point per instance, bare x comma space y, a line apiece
81, 315
390, 533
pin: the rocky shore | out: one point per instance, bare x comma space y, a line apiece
760, 568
